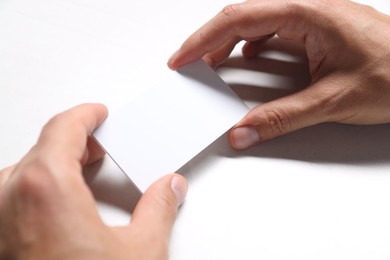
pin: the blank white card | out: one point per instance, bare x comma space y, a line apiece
167, 126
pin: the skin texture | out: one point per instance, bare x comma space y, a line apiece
48, 212
347, 49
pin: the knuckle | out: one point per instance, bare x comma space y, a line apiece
35, 181
278, 122
231, 17
230, 10
305, 10
54, 120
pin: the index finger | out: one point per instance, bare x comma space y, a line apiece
248, 20
64, 137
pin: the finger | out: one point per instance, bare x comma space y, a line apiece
217, 57
244, 20
252, 48
52, 168
281, 116
156, 211
64, 137
93, 153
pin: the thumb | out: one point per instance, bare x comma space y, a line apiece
156, 211
278, 117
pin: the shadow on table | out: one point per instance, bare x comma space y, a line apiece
323, 143
270, 78
111, 186
282, 69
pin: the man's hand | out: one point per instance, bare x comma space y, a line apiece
348, 49
48, 212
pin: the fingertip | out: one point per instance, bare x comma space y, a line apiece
103, 108
243, 137
247, 51
182, 57
173, 63
99, 106
98, 110
179, 187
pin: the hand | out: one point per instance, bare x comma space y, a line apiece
48, 212
347, 45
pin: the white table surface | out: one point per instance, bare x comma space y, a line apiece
319, 193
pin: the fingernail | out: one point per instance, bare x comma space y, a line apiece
179, 188
245, 136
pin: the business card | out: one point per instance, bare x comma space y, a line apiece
165, 127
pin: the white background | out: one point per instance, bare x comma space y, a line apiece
319, 193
